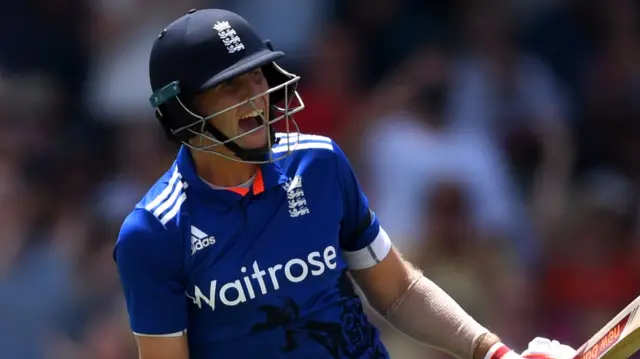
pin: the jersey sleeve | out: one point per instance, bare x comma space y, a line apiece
364, 243
149, 261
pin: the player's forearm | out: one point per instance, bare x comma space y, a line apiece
159, 347
426, 313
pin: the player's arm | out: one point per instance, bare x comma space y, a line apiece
162, 348
149, 264
421, 309
397, 290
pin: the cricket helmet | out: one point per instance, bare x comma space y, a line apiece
201, 50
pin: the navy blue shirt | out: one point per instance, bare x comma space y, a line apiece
260, 272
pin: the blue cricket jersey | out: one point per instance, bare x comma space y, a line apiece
255, 273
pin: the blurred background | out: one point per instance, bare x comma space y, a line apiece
498, 141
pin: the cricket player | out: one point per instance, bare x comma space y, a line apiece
246, 247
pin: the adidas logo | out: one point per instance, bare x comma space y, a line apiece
200, 240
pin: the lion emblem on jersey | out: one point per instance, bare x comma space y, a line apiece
295, 197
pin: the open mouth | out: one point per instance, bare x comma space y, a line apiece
251, 120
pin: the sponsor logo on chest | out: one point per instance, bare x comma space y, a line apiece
261, 281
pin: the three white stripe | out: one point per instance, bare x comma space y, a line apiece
294, 142
171, 198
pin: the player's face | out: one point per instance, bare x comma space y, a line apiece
242, 118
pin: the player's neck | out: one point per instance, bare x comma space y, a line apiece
220, 171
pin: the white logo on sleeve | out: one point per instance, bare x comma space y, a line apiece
229, 37
262, 281
200, 240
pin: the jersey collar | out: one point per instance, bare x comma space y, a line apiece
268, 176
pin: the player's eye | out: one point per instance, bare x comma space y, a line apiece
230, 85
256, 76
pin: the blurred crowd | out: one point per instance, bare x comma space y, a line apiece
498, 141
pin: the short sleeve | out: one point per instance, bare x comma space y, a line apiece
149, 261
363, 241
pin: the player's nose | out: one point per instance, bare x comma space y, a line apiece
252, 91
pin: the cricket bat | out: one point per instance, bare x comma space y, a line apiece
619, 339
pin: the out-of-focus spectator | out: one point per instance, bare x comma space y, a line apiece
305, 21
35, 278
609, 122
509, 94
50, 38
589, 273
330, 90
118, 85
416, 147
